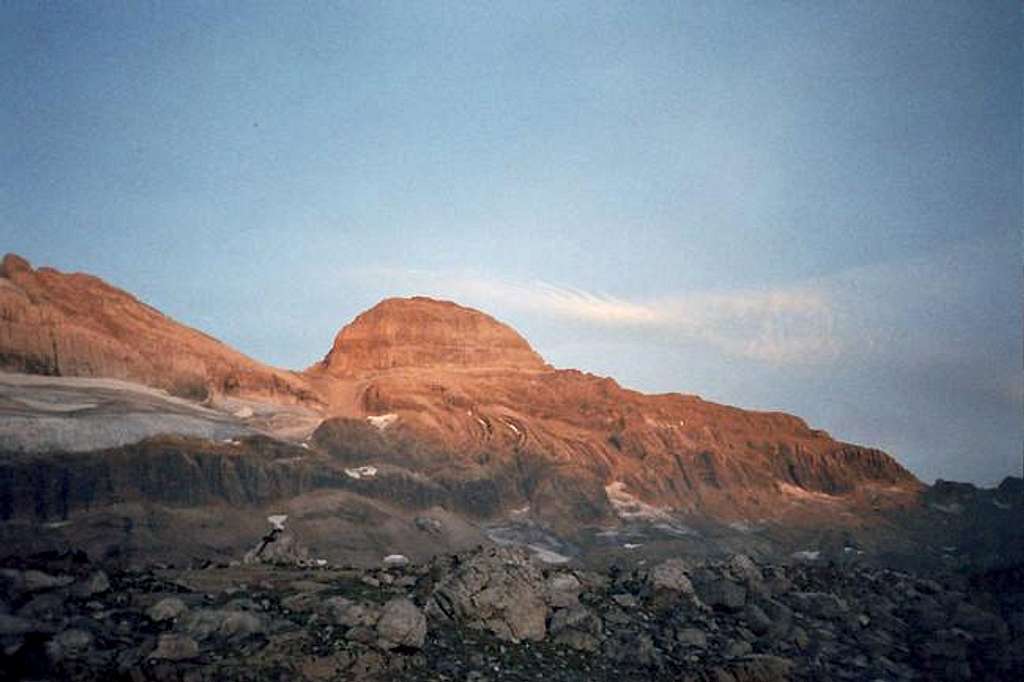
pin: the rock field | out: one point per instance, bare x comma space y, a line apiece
494, 614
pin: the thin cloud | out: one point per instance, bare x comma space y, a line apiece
777, 326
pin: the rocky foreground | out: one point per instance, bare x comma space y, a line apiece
493, 614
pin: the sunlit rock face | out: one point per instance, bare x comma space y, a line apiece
422, 332
77, 325
451, 392
444, 404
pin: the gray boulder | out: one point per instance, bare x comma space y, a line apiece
577, 627
175, 647
668, 585
401, 624
348, 613
692, 637
562, 590
97, 583
168, 608
497, 589
69, 644
719, 590
280, 548
207, 623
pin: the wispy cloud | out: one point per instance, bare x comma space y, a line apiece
794, 325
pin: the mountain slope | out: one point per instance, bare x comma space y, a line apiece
78, 325
446, 407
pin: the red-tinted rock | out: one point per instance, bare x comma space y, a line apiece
422, 332
78, 325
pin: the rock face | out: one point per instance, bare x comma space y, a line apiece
77, 325
422, 332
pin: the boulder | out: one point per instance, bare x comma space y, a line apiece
71, 643
668, 585
401, 624
562, 590
279, 547
350, 614
497, 589
743, 568
577, 627
757, 620
692, 637
206, 623
175, 647
168, 608
719, 590
21, 583
97, 583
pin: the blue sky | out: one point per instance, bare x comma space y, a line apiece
812, 207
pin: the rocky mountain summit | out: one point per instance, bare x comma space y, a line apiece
422, 332
495, 614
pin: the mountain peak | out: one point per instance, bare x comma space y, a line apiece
13, 263
425, 332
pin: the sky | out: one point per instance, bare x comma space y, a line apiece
813, 207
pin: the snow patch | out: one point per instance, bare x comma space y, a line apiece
277, 521
548, 556
954, 508
512, 427
804, 494
806, 555
382, 421
244, 413
541, 543
1000, 504
676, 529
632, 545
54, 406
396, 560
630, 508
361, 472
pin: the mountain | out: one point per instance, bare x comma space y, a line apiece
60, 324
463, 398
426, 426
